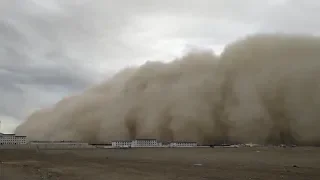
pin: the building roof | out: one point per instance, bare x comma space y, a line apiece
57, 142
146, 139
121, 141
3, 134
100, 144
183, 142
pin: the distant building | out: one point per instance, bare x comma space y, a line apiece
145, 143
101, 145
152, 143
60, 144
183, 144
121, 143
12, 139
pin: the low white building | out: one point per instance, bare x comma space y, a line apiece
183, 144
145, 143
12, 139
151, 143
121, 143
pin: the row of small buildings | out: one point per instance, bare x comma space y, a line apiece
12, 139
152, 143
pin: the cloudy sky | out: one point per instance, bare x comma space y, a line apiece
52, 48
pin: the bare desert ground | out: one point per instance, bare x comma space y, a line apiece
267, 163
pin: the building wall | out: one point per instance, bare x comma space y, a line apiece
136, 143
12, 139
183, 144
145, 143
59, 144
151, 143
121, 144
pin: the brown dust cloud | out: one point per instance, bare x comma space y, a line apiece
262, 89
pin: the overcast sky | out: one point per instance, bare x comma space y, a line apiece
53, 48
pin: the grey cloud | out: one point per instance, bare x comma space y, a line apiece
37, 56
44, 76
294, 17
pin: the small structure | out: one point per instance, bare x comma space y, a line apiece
183, 144
12, 139
101, 145
121, 144
145, 143
150, 143
60, 144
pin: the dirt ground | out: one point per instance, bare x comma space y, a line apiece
161, 164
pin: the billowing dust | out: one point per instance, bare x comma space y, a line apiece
262, 89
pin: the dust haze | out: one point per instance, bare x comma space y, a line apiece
263, 89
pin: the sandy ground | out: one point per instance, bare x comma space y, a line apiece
162, 164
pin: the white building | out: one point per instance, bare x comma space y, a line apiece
145, 143
12, 139
121, 143
183, 144
152, 143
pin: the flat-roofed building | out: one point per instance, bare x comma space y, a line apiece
145, 143
60, 144
12, 139
183, 144
121, 143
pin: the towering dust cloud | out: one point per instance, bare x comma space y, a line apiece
263, 89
